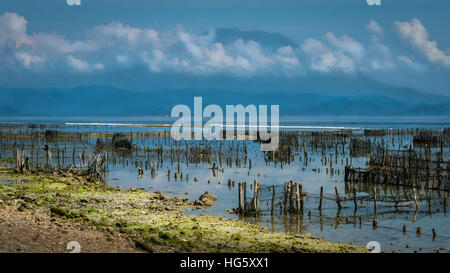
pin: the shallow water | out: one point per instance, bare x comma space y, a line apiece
390, 222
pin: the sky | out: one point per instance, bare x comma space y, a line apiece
143, 45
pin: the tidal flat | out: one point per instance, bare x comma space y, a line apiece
137, 221
343, 183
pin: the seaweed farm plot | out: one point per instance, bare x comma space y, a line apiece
360, 202
351, 185
404, 167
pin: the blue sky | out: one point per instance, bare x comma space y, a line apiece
140, 44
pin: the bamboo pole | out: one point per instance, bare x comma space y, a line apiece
273, 199
320, 202
338, 201
255, 195
245, 195
240, 199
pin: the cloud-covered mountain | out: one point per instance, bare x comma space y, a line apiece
327, 73
116, 48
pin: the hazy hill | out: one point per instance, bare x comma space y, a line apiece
108, 100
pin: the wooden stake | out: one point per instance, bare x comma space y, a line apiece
273, 199
320, 202
245, 195
240, 199
255, 193
338, 201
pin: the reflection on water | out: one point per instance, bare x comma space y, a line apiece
8, 182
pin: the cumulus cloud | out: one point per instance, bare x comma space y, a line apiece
118, 34
346, 44
14, 27
78, 64
380, 55
286, 56
410, 63
217, 57
82, 65
57, 44
374, 27
117, 46
416, 34
192, 47
37, 48
27, 60
253, 52
332, 57
405, 60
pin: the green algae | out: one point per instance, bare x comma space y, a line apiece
152, 219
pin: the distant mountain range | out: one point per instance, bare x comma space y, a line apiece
350, 98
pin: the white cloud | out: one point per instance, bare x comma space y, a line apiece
286, 56
286, 51
405, 60
408, 62
121, 45
57, 44
83, 66
217, 57
374, 27
253, 51
346, 45
118, 34
416, 34
78, 64
118, 46
27, 60
334, 60
155, 60
380, 55
195, 50
324, 59
313, 46
13, 27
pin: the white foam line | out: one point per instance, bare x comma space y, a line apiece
114, 124
291, 127
218, 125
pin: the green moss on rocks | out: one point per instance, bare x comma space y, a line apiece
156, 221
56, 211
